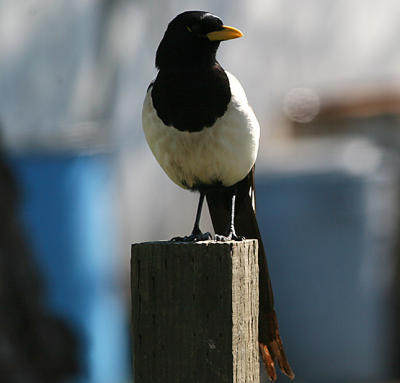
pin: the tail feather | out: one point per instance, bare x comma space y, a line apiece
218, 201
268, 361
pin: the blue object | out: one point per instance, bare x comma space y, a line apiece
330, 271
67, 209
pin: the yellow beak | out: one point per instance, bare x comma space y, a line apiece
227, 33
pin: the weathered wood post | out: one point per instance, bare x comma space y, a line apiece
195, 312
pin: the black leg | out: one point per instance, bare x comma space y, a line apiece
196, 228
232, 236
196, 235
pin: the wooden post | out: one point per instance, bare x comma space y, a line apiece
195, 312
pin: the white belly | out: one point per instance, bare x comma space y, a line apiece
222, 153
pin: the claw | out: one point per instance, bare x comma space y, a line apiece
230, 237
196, 237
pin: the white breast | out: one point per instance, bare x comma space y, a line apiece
224, 152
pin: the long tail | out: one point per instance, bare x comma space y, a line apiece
218, 200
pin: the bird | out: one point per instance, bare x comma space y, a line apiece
205, 136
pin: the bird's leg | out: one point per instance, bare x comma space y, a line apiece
196, 235
232, 236
196, 228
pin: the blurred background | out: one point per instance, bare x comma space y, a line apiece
324, 80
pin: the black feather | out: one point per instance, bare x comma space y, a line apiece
193, 99
191, 89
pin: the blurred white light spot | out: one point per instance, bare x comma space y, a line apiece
301, 104
360, 157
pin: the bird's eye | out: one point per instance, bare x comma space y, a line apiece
195, 28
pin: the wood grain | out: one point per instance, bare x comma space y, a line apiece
195, 312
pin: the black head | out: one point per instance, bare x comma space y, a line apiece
192, 38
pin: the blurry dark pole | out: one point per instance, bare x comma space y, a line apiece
35, 346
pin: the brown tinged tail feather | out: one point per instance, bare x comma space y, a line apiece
271, 346
246, 225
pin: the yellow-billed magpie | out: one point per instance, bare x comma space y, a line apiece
205, 136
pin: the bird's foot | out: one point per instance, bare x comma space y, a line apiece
232, 236
194, 237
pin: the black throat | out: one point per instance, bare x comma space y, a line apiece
191, 89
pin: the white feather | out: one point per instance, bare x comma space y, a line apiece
224, 152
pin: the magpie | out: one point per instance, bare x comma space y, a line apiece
205, 136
